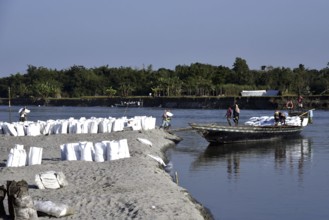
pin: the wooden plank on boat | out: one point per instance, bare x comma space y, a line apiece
181, 129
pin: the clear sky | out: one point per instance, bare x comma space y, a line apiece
58, 34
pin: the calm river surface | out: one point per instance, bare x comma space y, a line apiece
284, 180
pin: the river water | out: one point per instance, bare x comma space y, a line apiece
283, 179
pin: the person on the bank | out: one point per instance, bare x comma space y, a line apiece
228, 115
23, 114
166, 119
236, 114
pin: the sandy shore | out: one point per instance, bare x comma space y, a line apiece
131, 188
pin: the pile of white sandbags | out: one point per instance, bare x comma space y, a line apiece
269, 121
77, 126
17, 156
98, 152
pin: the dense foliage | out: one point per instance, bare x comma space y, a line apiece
194, 80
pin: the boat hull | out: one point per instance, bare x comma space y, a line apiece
217, 134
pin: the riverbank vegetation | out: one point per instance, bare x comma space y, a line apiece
196, 79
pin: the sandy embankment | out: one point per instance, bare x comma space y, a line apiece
129, 188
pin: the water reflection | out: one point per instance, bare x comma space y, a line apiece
286, 155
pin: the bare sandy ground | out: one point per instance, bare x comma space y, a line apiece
131, 188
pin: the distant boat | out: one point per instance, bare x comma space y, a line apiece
130, 104
222, 134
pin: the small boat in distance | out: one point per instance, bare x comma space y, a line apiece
222, 134
135, 104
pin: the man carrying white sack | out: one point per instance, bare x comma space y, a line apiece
23, 113
166, 119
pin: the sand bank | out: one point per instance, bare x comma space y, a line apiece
131, 188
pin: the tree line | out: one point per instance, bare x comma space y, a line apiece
196, 79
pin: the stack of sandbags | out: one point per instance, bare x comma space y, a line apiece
50, 180
99, 152
117, 149
17, 156
105, 125
73, 126
70, 151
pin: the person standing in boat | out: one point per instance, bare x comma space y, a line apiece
277, 114
228, 115
300, 102
236, 114
282, 117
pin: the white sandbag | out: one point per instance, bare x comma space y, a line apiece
13, 158
74, 127
53, 209
20, 129
56, 128
86, 150
50, 180
63, 151
123, 149
64, 127
102, 126
118, 124
157, 158
145, 141
35, 156
1, 131
148, 123
135, 123
110, 125
47, 128
33, 129
84, 127
169, 114
9, 129
100, 151
92, 127
113, 150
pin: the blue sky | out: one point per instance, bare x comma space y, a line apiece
58, 34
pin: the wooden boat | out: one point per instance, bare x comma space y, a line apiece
221, 134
